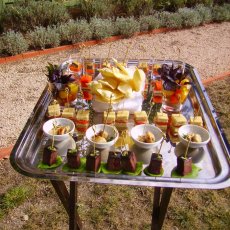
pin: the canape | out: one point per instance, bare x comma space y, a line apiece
128, 161
73, 158
49, 155
93, 161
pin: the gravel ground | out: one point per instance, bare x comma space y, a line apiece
207, 48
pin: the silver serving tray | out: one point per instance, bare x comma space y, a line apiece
213, 159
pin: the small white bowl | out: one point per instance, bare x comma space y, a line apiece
186, 129
48, 126
138, 130
111, 130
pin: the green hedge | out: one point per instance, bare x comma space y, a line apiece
41, 37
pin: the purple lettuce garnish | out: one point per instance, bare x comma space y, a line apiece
172, 76
57, 75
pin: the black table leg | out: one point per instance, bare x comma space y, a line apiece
69, 201
156, 208
62, 193
160, 205
74, 219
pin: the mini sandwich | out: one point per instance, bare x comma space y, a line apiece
161, 121
109, 118
196, 121
177, 120
54, 110
121, 121
157, 91
68, 112
140, 117
82, 120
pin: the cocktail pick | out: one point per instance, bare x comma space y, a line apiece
94, 146
67, 96
186, 151
158, 153
54, 131
148, 117
123, 136
107, 114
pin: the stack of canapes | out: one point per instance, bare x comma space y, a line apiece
73, 158
68, 113
121, 121
125, 160
85, 80
157, 91
197, 120
140, 117
93, 161
54, 110
161, 121
89, 66
177, 120
49, 155
155, 164
82, 121
109, 117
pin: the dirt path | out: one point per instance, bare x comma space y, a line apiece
207, 48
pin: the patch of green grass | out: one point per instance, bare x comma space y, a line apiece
13, 198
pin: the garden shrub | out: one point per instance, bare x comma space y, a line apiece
75, 31
127, 26
168, 5
149, 23
190, 17
171, 20
43, 37
221, 13
192, 3
134, 7
1, 50
24, 15
13, 43
102, 28
97, 8
205, 13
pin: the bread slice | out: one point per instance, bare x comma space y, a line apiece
122, 116
196, 120
110, 119
68, 112
54, 110
82, 115
178, 120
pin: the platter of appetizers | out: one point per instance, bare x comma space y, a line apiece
122, 134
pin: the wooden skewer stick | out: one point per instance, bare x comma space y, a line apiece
123, 139
186, 151
110, 105
148, 118
54, 127
158, 153
94, 145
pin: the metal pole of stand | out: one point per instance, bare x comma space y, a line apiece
74, 219
160, 205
